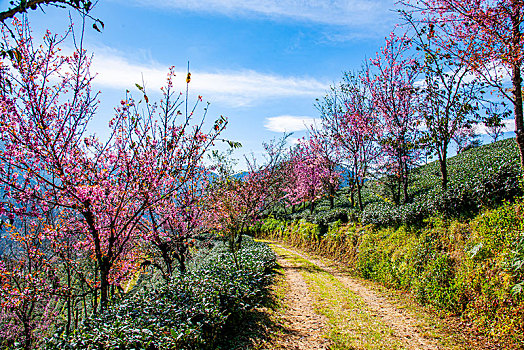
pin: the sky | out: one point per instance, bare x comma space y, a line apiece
260, 63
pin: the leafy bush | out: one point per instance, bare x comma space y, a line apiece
190, 312
473, 268
481, 177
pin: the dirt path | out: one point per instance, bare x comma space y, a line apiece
404, 327
304, 328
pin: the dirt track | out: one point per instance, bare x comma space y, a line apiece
307, 327
304, 327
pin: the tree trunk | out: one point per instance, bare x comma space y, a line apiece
95, 295
68, 325
331, 194
180, 256
443, 171
405, 183
27, 333
519, 124
104, 284
359, 194
164, 249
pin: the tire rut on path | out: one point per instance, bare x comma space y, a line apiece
304, 327
402, 324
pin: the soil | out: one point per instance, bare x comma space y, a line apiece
303, 327
398, 320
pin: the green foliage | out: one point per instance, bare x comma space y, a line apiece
472, 268
479, 177
191, 312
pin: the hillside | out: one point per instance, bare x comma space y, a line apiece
484, 176
461, 254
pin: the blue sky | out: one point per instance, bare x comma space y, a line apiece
260, 63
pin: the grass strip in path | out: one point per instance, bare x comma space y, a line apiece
416, 326
351, 324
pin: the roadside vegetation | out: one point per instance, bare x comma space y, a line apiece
141, 240
467, 261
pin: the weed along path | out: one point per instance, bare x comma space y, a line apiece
326, 308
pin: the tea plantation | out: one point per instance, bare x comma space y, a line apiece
461, 252
195, 310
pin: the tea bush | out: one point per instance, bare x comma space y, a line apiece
473, 268
481, 177
189, 312
478, 178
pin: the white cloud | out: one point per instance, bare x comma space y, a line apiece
509, 125
233, 88
289, 123
350, 13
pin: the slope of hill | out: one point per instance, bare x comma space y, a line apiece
484, 176
462, 252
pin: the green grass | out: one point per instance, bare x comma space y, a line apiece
351, 325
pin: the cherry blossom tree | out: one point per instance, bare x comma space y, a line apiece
450, 98
323, 144
347, 115
103, 189
310, 174
21, 7
29, 286
394, 96
174, 224
235, 202
487, 37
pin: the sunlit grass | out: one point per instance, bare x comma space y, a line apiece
351, 325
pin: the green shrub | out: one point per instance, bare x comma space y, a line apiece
190, 312
482, 177
473, 268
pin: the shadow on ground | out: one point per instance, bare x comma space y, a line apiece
255, 329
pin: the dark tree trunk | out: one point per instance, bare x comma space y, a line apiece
443, 171
27, 334
168, 261
519, 124
331, 192
359, 194
104, 283
517, 80
181, 259
405, 182
68, 325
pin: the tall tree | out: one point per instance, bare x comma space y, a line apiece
394, 95
310, 174
347, 116
487, 36
235, 202
449, 102
322, 143
102, 188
